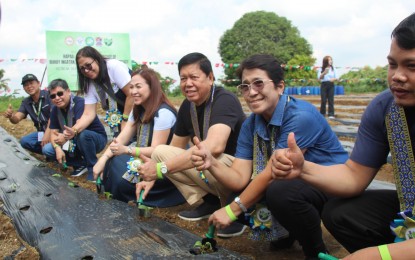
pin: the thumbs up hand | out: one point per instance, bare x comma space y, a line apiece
201, 156
9, 111
287, 163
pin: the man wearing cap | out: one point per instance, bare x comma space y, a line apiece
37, 106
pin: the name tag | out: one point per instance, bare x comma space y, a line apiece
40, 136
65, 146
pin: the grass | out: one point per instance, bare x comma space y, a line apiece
6, 100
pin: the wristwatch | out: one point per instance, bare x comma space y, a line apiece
163, 168
129, 150
242, 206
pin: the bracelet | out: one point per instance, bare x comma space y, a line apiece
230, 213
384, 252
55, 145
75, 131
124, 116
137, 152
159, 174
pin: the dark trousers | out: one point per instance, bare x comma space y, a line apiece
163, 194
297, 206
327, 94
362, 221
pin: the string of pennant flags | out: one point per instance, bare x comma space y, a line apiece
215, 64
169, 80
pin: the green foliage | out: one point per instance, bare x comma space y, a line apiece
3, 82
365, 80
305, 72
10, 99
261, 32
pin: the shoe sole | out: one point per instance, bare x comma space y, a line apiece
194, 219
80, 173
218, 234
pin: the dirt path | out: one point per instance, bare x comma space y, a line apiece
10, 242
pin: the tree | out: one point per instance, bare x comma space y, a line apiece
261, 32
366, 79
3, 82
299, 71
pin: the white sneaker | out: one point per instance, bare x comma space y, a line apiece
332, 117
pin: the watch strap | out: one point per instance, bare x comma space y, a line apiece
240, 204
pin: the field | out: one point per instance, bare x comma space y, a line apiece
10, 241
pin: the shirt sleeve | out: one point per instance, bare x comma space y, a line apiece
165, 120
91, 97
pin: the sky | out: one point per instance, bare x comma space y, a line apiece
355, 33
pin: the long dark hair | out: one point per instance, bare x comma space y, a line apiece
103, 77
156, 98
326, 63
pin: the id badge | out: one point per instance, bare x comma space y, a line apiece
65, 146
40, 136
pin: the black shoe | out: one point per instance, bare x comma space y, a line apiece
283, 243
233, 230
203, 211
79, 171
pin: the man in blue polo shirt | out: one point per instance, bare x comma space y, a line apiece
68, 145
37, 106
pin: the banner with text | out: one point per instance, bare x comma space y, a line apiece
61, 49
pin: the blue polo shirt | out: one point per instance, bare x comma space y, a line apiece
312, 132
41, 118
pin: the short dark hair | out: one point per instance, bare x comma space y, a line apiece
265, 62
58, 83
404, 33
199, 58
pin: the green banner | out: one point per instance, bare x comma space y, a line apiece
61, 49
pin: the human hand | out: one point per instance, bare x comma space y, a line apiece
287, 163
146, 185
58, 138
45, 139
68, 133
9, 112
117, 148
98, 168
148, 169
60, 155
220, 219
201, 157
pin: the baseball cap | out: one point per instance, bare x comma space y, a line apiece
28, 77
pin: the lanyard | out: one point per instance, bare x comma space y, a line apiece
195, 121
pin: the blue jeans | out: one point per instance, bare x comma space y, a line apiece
31, 143
88, 144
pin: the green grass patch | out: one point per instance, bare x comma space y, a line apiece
14, 101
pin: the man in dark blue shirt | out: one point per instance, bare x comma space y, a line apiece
77, 149
37, 106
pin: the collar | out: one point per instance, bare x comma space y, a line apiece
261, 126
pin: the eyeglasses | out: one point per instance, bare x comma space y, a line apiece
53, 96
87, 66
257, 85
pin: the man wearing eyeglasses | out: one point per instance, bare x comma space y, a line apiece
294, 204
78, 151
37, 106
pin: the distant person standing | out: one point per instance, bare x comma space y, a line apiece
37, 106
327, 75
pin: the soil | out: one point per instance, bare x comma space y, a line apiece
12, 245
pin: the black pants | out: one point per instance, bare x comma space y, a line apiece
362, 221
327, 94
297, 206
